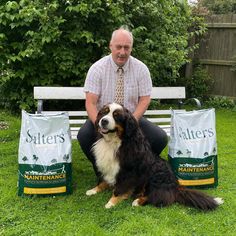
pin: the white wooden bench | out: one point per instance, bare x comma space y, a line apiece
77, 118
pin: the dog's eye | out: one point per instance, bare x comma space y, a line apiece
105, 110
117, 115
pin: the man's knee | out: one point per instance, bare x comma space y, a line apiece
86, 135
156, 136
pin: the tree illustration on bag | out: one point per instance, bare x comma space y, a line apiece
35, 158
179, 153
214, 150
25, 159
66, 157
188, 152
54, 161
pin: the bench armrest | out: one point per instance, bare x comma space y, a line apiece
196, 101
39, 106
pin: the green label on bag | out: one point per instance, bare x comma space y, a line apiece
196, 171
38, 179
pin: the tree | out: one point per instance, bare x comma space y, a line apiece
218, 6
55, 42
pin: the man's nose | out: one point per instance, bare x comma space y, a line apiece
122, 50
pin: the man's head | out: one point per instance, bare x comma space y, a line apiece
121, 46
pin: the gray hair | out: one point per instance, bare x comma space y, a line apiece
123, 28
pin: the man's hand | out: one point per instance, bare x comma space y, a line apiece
141, 107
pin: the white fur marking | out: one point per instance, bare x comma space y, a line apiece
91, 192
105, 153
109, 205
219, 200
135, 203
109, 116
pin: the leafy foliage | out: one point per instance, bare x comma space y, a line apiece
55, 42
219, 6
220, 102
199, 84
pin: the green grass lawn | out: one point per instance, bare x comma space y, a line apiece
77, 214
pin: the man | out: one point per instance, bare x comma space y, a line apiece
100, 89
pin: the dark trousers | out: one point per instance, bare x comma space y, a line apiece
154, 134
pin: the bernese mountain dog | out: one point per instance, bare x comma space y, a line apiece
127, 164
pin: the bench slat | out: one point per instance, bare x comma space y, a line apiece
79, 122
78, 93
78, 113
160, 120
85, 114
153, 120
76, 129
48, 93
168, 93
160, 112
157, 112
71, 113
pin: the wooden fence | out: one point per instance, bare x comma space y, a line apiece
218, 52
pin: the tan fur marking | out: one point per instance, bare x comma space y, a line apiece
120, 131
99, 188
116, 199
102, 186
142, 200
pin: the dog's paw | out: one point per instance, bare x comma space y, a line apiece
135, 203
109, 205
219, 200
91, 192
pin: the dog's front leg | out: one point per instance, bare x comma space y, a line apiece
116, 199
140, 201
99, 188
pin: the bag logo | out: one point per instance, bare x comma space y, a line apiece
44, 139
189, 134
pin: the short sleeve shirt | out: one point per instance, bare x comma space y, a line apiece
102, 76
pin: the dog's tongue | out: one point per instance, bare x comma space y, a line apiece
104, 131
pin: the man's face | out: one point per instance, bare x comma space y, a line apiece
121, 47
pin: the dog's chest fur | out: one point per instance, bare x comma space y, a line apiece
107, 163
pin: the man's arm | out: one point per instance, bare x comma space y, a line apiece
91, 106
142, 106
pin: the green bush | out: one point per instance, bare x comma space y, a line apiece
199, 85
55, 42
220, 102
219, 6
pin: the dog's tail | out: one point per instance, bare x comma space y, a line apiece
197, 199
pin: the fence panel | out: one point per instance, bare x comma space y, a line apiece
217, 51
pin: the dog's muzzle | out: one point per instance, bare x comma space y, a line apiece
105, 126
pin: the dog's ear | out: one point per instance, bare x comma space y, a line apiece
131, 124
96, 121
101, 112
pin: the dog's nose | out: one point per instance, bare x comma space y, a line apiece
104, 122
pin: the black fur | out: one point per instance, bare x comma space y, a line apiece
148, 175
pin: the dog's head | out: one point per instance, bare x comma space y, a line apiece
116, 119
